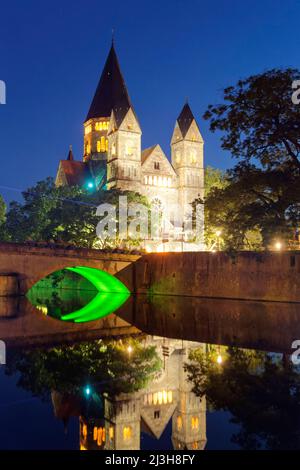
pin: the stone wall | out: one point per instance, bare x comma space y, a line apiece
269, 276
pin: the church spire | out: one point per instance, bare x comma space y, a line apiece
185, 119
70, 156
111, 93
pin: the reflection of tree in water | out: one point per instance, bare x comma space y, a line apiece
112, 367
260, 390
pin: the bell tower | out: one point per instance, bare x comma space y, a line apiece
187, 156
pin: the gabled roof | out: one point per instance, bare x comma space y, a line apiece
76, 173
147, 152
111, 93
185, 119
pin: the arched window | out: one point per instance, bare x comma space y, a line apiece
129, 148
179, 423
98, 146
127, 433
193, 156
102, 144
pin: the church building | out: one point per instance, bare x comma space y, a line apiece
113, 155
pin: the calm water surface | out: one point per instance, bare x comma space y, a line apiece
158, 373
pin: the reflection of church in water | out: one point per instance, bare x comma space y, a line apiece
149, 411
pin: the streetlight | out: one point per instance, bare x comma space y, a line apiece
278, 246
219, 359
90, 185
129, 349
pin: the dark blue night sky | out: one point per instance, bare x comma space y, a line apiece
52, 54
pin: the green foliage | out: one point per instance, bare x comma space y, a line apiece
107, 366
2, 217
260, 390
63, 215
261, 128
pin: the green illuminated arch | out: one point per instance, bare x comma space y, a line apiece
100, 306
104, 282
112, 293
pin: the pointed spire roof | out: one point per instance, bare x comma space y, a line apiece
185, 119
70, 156
111, 93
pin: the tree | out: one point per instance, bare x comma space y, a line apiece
63, 214
2, 217
260, 127
105, 365
214, 179
260, 390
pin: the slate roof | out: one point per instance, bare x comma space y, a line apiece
111, 93
185, 119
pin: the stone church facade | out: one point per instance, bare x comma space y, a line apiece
129, 416
113, 155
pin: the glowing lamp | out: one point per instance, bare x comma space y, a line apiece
87, 391
219, 359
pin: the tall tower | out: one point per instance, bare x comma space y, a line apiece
189, 418
187, 157
111, 130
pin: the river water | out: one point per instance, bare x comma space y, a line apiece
87, 371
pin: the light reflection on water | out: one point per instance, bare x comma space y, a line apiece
196, 374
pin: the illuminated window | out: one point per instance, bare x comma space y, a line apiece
150, 179
88, 129
195, 422
195, 446
106, 145
127, 433
88, 148
95, 433
160, 398
84, 430
193, 156
165, 397
103, 146
146, 179
129, 149
159, 181
101, 436
98, 146
170, 396
179, 423
155, 397
111, 432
